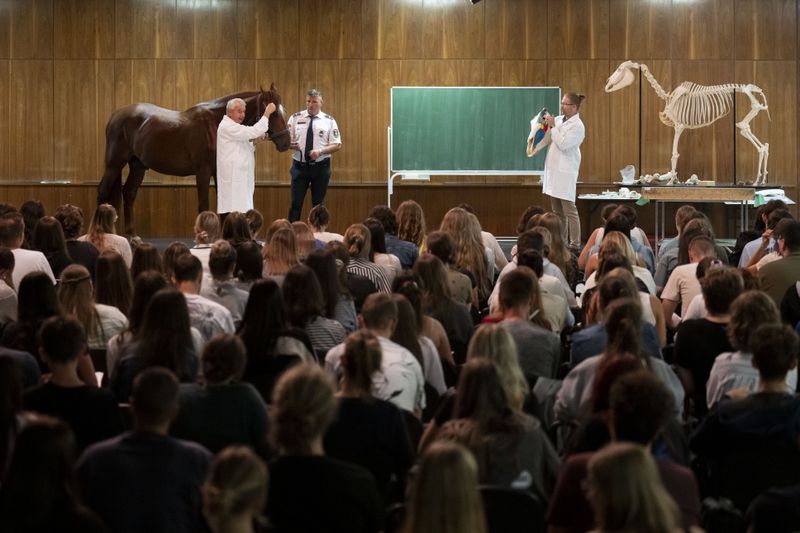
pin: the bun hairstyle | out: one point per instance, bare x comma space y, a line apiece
236, 484
357, 240
576, 98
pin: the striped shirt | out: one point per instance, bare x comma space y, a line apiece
364, 267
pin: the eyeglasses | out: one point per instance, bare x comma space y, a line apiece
567, 103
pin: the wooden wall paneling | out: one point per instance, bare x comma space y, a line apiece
270, 31
5, 30
202, 80
588, 78
656, 137
271, 165
206, 29
393, 29
84, 29
578, 29
707, 152
703, 30
453, 30
333, 32
516, 29
623, 143
373, 126
778, 80
31, 29
150, 30
5, 120
167, 211
31, 156
640, 30
765, 29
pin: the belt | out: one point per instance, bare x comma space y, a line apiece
326, 161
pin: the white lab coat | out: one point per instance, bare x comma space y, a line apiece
563, 158
236, 164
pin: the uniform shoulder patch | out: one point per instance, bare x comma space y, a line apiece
297, 114
329, 116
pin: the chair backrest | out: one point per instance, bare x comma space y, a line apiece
511, 511
270, 369
414, 427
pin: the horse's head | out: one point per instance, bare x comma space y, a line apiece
622, 77
278, 132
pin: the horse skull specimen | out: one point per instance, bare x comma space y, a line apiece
692, 106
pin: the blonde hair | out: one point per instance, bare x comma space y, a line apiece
104, 221
207, 228
236, 484
444, 497
411, 222
622, 244
470, 253
76, 295
305, 239
559, 254
357, 240
362, 358
280, 254
626, 491
496, 344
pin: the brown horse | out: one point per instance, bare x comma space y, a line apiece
181, 143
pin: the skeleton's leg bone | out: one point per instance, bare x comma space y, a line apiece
675, 154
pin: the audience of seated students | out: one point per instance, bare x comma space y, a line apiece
619, 221
698, 342
102, 233
39, 492
558, 251
32, 212
91, 412
617, 283
280, 254
71, 219
145, 480
400, 380
113, 284
511, 448
220, 410
359, 286
8, 293
309, 491
756, 431
406, 251
164, 339
220, 287
762, 256
368, 431
640, 409
444, 496
339, 304
683, 286
12, 233
377, 250
438, 303
171, 253
319, 218
778, 276
623, 325
305, 240
145, 257
489, 241
357, 241
407, 335
36, 302
539, 348
470, 253
249, 265
617, 242
235, 491
408, 284
207, 231
99, 321
734, 371
462, 287
554, 306
208, 317
304, 304
236, 229
48, 238
147, 284
411, 223
760, 224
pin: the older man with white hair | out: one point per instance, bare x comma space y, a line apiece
236, 163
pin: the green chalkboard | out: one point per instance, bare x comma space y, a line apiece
442, 130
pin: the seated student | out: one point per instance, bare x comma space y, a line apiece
359, 286
596, 237
779, 221
620, 222
539, 348
407, 334
735, 370
319, 218
779, 275
8, 292
12, 233
462, 287
304, 304
683, 285
205, 410
406, 251
761, 226
235, 491
775, 511
640, 409
91, 412
617, 242
39, 492
377, 250
698, 342
682, 215
221, 288
408, 284
470, 253
255, 221
357, 240
554, 306
249, 265
400, 380
71, 219
308, 491
763, 424
489, 241
48, 238
145, 480
339, 304
207, 231
210, 318
368, 431
103, 233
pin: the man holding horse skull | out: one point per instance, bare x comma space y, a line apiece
315, 136
236, 164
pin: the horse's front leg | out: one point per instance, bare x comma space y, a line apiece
109, 190
129, 191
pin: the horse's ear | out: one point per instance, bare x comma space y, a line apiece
272, 86
261, 88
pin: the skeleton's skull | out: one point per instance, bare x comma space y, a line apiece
622, 77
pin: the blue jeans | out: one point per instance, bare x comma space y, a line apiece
304, 175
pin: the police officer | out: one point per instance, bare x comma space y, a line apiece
315, 136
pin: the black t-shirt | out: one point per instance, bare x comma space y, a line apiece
83, 253
698, 343
92, 413
317, 494
776, 511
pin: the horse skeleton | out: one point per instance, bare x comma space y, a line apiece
692, 106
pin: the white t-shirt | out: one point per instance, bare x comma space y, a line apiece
117, 243
27, 261
682, 286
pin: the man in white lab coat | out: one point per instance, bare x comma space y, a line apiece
236, 164
562, 164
